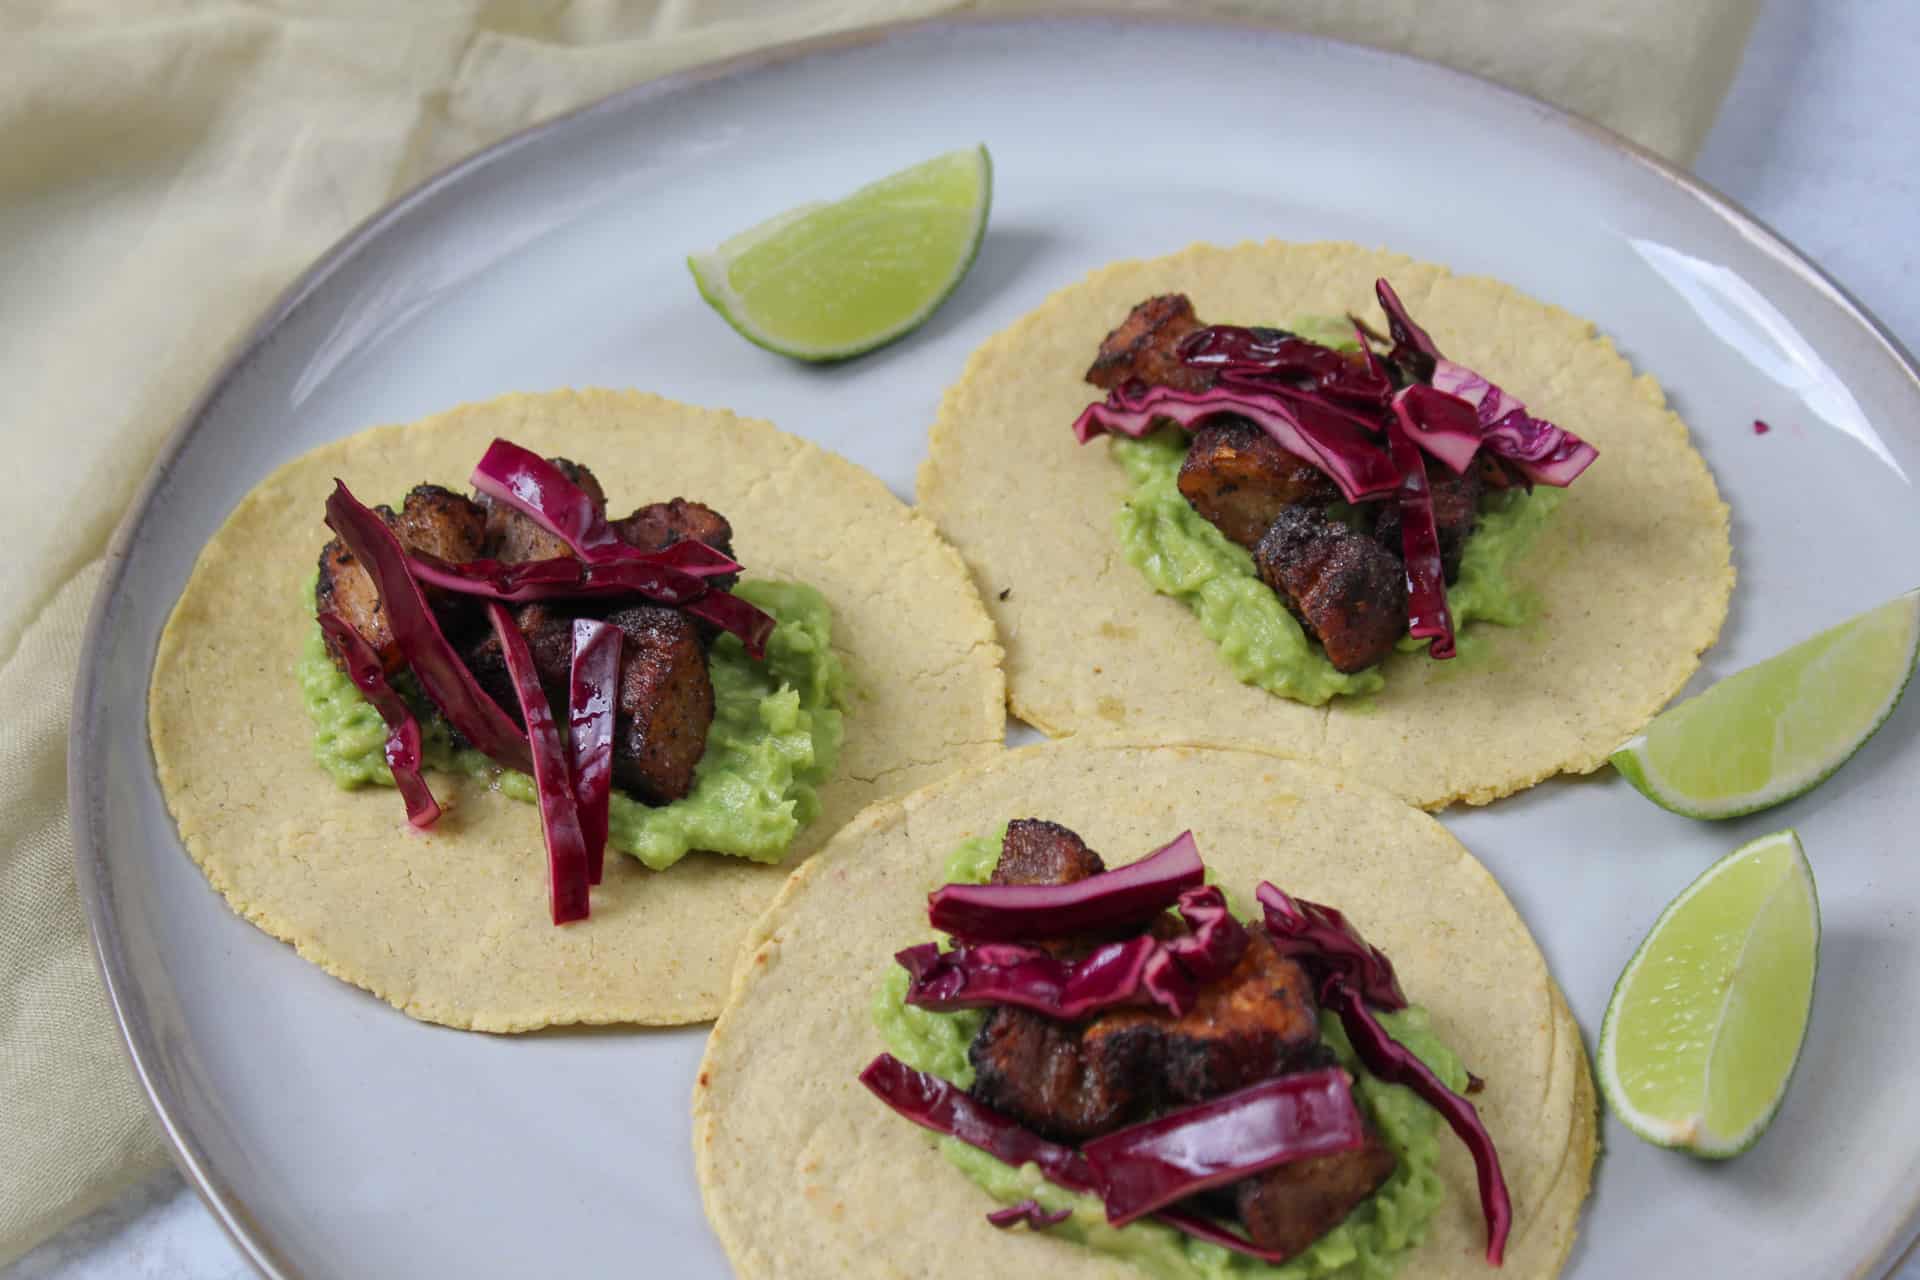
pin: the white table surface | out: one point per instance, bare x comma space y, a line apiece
1818, 139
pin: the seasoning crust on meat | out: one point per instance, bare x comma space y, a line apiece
1239, 479
1347, 590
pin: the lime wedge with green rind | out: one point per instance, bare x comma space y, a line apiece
1778, 729
828, 281
1705, 1026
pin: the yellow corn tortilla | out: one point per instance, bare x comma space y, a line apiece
451, 926
806, 1174
1632, 573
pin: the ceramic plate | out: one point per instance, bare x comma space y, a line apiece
333, 1136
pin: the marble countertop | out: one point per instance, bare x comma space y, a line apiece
1811, 140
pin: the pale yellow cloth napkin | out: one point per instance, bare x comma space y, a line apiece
167, 166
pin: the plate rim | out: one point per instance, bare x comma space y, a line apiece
226, 1203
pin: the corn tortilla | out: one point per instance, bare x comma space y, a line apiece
805, 1174
451, 926
1631, 575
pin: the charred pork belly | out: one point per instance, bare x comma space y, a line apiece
1257, 1022
513, 537
665, 703
1456, 508
1346, 589
433, 520
1290, 1206
1036, 852
1036, 1070
1146, 348
659, 525
1239, 479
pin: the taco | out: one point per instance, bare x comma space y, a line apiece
875, 1103
694, 696
1431, 531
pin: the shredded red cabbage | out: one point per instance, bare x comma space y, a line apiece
730, 613
1543, 453
1413, 350
539, 490
1393, 1062
1351, 975
1330, 441
559, 578
1439, 423
1428, 616
403, 731
442, 675
1139, 970
559, 815
592, 687
1322, 938
1030, 912
1291, 1117
1030, 1212
1261, 355
944, 1108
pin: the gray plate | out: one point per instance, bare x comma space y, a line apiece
333, 1136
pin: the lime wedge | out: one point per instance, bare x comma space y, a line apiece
1778, 729
828, 281
1704, 1027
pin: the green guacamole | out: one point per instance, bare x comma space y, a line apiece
1366, 1246
1183, 556
775, 736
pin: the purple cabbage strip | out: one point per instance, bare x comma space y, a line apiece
559, 816
1330, 946
1299, 1116
1352, 977
1413, 350
1334, 444
1427, 614
1439, 423
730, 613
945, 1108
1393, 1062
1128, 895
1544, 453
403, 731
1139, 970
1255, 354
593, 686
538, 490
559, 578
1030, 1212
441, 673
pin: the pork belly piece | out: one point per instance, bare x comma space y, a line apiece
513, 537
1033, 1068
1347, 590
1238, 478
661, 524
1037, 852
1145, 348
433, 520
665, 703
1290, 1206
1456, 509
1259, 1021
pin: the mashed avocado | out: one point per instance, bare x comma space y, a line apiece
1366, 1246
1184, 556
773, 742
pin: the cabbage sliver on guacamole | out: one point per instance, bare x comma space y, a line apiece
1366, 1245
775, 736
1183, 556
